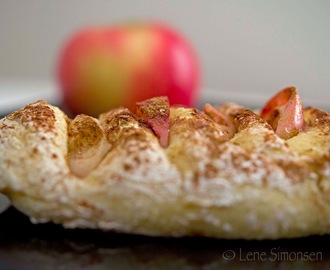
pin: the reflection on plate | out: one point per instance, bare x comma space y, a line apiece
24, 245
4, 203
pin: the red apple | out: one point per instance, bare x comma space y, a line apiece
109, 66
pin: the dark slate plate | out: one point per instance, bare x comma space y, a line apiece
24, 245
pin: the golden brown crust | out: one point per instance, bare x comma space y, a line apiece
87, 144
316, 118
41, 116
111, 173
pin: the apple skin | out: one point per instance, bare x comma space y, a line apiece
103, 67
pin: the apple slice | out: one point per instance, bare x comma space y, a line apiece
219, 118
156, 112
215, 115
284, 113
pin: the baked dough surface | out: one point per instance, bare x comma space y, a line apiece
111, 173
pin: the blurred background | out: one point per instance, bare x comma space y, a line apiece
248, 50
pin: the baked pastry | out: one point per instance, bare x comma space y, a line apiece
224, 171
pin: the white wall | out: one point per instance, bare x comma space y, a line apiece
248, 49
